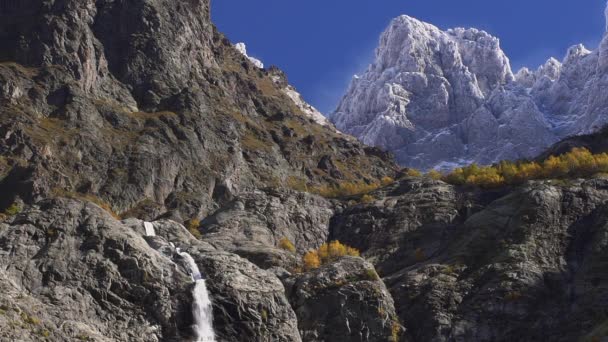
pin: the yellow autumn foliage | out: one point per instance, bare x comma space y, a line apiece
327, 253
287, 245
579, 162
311, 260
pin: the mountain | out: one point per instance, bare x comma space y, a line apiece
440, 99
157, 185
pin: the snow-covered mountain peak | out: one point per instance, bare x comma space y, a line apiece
443, 98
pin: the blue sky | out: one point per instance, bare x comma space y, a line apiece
320, 44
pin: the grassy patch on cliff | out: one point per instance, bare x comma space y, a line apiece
277, 127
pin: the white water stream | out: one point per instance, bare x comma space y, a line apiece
149, 229
201, 307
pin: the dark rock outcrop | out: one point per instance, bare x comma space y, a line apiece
482, 269
343, 301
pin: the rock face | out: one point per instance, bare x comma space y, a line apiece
142, 110
253, 224
439, 99
344, 301
144, 105
482, 266
280, 79
70, 271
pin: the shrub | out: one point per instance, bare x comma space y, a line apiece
434, 174
287, 245
367, 198
371, 275
311, 260
264, 315
12, 210
344, 189
486, 177
456, 177
327, 253
297, 184
350, 251
32, 320
386, 181
395, 331
413, 173
579, 162
192, 225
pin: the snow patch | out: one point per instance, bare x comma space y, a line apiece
242, 48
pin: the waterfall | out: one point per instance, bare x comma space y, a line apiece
201, 307
149, 229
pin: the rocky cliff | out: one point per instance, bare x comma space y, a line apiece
145, 104
439, 99
121, 120
129, 110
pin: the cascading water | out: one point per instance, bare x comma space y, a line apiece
201, 308
149, 229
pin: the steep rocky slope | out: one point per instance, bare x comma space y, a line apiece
145, 104
443, 98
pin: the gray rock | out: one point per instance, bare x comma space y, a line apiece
145, 106
249, 303
343, 301
253, 224
481, 266
71, 271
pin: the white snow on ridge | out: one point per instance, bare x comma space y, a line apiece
309, 110
242, 48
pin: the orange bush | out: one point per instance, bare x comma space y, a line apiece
413, 173
344, 189
311, 260
327, 253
